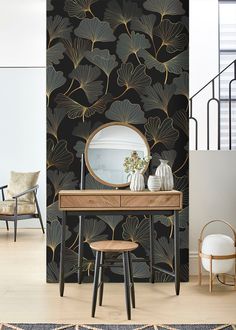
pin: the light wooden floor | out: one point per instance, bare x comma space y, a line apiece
26, 297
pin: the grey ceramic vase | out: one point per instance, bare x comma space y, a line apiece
164, 171
137, 181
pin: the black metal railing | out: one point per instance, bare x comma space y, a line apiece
213, 98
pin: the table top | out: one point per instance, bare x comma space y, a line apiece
118, 192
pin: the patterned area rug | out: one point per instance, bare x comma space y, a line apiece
39, 326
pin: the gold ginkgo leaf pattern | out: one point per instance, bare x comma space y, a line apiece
161, 131
144, 24
54, 235
78, 8
55, 53
76, 50
55, 79
58, 154
54, 119
58, 27
165, 7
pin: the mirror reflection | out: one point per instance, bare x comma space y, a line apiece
107, 149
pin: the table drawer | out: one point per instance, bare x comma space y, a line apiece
89, 202
151, 201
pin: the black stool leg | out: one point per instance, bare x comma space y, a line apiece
95, 282
101, 270
127, 283
131, 280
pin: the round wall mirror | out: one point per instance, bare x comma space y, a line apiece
107, 148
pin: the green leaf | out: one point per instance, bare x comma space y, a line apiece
131, 77
140, 269
117, 15
164, 251
171, 36
181, 120
58, 27
158, 97
86, 75
76, 50
77, 110
95, 30
78, 8
83, 130
128, 45
136, 231
58, 155
61, 180
54, 119
144, 24
165, 7
103, 59
111, 220
55, 54
161, 132
55, 79
182, 84
54, 234
126, 112
93, 230
175, 65
79, 148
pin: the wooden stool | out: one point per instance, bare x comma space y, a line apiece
124, 247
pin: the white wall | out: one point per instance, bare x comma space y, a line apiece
22, 93
204, 62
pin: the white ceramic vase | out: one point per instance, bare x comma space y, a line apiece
154, 183
137, 181
164, 171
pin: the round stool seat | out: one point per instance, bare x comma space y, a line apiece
114, 246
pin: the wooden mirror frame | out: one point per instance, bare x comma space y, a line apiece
115, 123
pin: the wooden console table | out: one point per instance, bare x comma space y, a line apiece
124, 202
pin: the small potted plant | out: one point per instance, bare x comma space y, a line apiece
134, 165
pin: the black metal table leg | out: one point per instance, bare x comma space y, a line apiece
62, 259
95, 282
131, 280
177, 252
151, 237
127, 283
101, 271
80, 250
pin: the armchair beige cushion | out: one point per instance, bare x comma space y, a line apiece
20, 182
7, 207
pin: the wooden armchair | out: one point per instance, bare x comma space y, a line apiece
17, 209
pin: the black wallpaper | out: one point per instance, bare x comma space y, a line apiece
121, 61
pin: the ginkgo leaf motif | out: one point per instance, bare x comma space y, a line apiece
55, 54
144, 24
61, 180
78, 8
164, 251
58, 27
182, 84
117, 14
175, 65
86, 75
140, 269
93, 230
58, 155
83, 130
79, 148
158, 97
161, 131
131, 44
76, 50
91, 183
95, 30
55, 79
54, 235
181, 120
165, 7
49, 5
171, 36
131, 77
104, 60
136, 231
77, 110
53, 212
126, 112
181, 184
112, 221
169, 155
54, 119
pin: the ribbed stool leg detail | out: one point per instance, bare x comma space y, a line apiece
131, 280
127, 283
101, 270
95, 282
